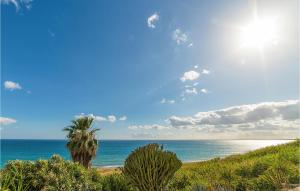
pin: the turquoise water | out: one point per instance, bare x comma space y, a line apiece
113, 152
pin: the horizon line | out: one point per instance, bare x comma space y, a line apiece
151, 139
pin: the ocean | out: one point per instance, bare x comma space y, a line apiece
114, 152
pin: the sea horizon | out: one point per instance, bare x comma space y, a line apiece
147, 139
112, 153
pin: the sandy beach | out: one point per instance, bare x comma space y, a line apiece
111, 170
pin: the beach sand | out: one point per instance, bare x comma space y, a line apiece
111, 170
105, 171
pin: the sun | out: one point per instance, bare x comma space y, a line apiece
259, 34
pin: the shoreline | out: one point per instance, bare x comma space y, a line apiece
108, 170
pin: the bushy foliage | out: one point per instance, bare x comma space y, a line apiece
180, 182
116, 182
268, 169
53, 174
150, 168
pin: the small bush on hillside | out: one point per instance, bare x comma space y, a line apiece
180, 182
116, 182
150, 168
277, 177
54, 174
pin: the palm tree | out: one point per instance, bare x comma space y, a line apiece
82, 142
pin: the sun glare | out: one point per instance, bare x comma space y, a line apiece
259, 34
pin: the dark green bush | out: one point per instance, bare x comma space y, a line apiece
150, 168
53, 174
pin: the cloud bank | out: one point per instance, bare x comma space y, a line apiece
269, 116
148, 127
97, 118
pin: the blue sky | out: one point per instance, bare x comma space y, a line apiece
145, 69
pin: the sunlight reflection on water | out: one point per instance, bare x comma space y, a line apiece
255, 144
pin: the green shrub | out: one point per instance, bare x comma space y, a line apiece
277, 177
150, 168
53, 174
15, 180
179, 182
116, 182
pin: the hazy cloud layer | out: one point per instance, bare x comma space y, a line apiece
148, 127
123, 118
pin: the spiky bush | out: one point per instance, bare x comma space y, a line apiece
150, 168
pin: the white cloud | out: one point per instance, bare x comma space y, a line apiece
191, 45
266, 116
95, 117
179, 37
190, 75
148, 127
204, 71
100, 118
152, 20
171, 101
18, 3
196, 66
123, 118
10, 85
203, 90
191, 91
111, 118
164, 100
7, 121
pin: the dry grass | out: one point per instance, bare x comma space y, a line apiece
105, 171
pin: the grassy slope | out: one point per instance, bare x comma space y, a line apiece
266, 153
267, 166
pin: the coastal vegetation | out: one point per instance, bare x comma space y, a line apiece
150, 168
82, 142
267, 169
